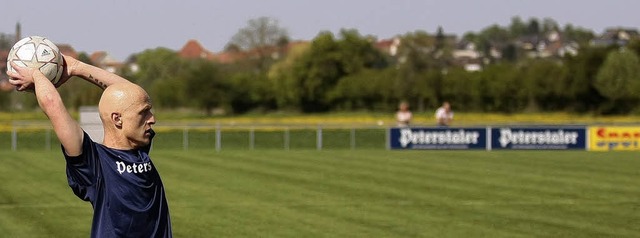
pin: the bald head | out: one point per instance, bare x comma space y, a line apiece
118, 97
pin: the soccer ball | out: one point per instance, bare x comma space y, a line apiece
37, 52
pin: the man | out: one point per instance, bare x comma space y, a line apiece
444, 115
403, 115
117, 176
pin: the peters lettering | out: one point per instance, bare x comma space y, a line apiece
133, 168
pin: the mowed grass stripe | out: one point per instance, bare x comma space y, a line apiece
234, 204
281, 208
543, 202
35, 200
316, 203
320, 207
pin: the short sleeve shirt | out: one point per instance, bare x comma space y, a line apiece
124, 188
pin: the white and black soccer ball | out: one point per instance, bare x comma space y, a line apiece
37, 52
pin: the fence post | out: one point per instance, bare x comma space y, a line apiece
185, 138
353, 138
489, 145
252, 138
387, 138
218, 137
319, 138
286, 138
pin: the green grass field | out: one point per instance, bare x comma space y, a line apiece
351, 193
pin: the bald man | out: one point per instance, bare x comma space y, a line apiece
117, 176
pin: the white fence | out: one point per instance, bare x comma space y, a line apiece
29, 135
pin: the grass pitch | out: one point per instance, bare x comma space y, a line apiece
351, 193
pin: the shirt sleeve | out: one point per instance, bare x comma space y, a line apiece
82, 170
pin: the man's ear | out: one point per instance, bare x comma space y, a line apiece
116, 118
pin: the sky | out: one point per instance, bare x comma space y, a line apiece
122, 28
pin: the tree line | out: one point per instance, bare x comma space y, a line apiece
346, 72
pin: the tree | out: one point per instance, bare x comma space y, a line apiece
261, 36
368, 89
619, 78
549, 25
282, 78
157, 64
161, 72
418, 71
533, 28
578, 84
579, 35
518, 27
540, 85
206, 86
327, 61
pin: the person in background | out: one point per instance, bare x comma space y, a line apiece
444, 115
403, 115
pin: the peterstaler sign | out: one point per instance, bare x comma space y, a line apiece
438, 138
539, 138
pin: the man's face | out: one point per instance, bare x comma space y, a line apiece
137, 120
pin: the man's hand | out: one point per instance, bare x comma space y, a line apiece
70, 64
22, 78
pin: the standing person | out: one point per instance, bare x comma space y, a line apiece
116, 176
403, 115
444, 115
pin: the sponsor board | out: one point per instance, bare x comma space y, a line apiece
438, 138
539, 138
610, 138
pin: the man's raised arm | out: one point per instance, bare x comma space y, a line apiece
66, 128
93, 74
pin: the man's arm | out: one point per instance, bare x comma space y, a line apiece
93, 74
66, 128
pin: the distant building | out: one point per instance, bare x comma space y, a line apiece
389, 46
616, 36
194, 50
66, 49
105, 61
467, 56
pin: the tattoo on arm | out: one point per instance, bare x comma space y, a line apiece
97, 82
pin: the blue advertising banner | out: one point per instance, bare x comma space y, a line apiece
539, 138
438, 138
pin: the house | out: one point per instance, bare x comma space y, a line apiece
616, 36
466, 55
388, 46
194, 50
66, 49
105, 61
553, 44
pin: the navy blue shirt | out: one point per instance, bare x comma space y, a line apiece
124, 188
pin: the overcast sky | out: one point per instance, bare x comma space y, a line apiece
123, 27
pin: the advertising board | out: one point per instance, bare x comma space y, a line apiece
539, 138
613, 138
438, 138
